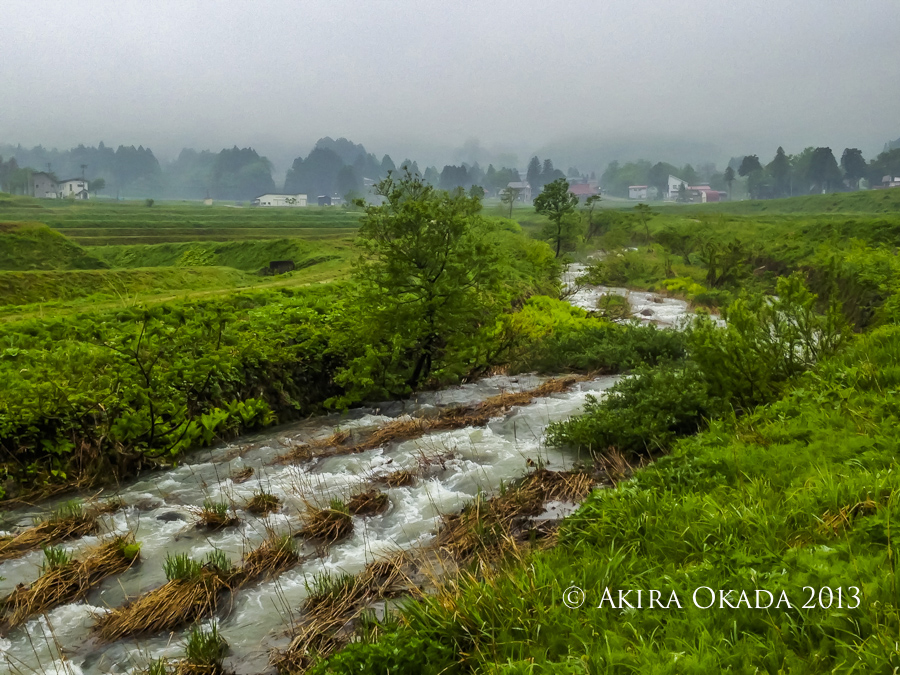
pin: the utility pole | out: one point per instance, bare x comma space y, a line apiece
83, 167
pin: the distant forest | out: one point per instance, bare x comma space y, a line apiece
345, 169
333, 167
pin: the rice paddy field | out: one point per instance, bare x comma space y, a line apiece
62, 256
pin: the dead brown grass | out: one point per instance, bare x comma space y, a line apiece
451, 418
401, 478
242, 475
336, 603
68, 583
273, 556
175, 604
262, 503
327, 525
488, 526
51, 531
369, 503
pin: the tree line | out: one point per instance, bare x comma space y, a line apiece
813, 170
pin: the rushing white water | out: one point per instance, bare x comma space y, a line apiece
645, 306
454, 466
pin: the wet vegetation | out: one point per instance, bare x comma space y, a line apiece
772, 468
754, 454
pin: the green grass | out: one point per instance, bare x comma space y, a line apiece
249, 256
55, 289
34, 246
871, 202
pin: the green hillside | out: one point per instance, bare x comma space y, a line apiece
249, 256
34, 246
865, 201
23, 288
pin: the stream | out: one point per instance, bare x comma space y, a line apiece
453, 467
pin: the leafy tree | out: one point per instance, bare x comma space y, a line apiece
240, 173
387, 165
658, 177
346, 181
749, 164
823, 170
476, 192
97, 185
432, 177
315, 175
854, 165
886, 164
729, 179
533, 175
509, 195
780, 170
644, 214
557, 203
453, 177
682, 193
590, 203
424, 280
688, 174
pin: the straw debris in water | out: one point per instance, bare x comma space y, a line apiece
216, 515
263, 502
65, 580
242, 475
488, 526
369, 503
328, 525
192, 592
456, 417
334, 603
69, 522
401, 478
275, 555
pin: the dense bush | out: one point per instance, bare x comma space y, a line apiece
640, 415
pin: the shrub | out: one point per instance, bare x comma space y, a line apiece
641, 414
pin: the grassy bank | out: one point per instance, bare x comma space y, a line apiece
797, 497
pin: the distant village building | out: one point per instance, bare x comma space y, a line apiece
584, 190
280, 200
45, 186
888, 182
524, 189
637, 192
675, 184
73, 188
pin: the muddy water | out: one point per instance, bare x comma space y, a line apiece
159, 509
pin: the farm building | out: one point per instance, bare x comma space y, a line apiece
280, 200
637, 192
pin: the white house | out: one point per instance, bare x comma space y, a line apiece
675, 184
73, 188
637, 192
524, 189
43, 185
280, 200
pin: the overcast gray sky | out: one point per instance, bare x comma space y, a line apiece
420, 78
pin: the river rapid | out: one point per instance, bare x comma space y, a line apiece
453, 467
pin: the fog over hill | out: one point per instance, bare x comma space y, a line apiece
627, 79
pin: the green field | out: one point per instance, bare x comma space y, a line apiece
98, 223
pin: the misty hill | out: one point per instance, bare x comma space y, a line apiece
34, 246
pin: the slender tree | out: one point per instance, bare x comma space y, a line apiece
558, 204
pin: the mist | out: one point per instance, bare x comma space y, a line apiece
582, 81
